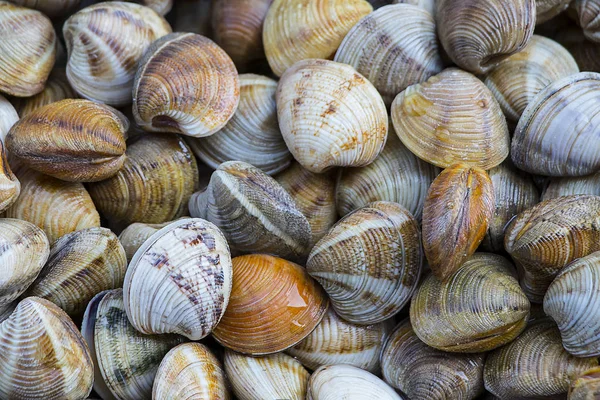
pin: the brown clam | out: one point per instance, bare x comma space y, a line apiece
57, 88
586, 386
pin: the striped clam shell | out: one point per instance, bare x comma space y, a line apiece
566, 186
10, 187
134, 236
587, 15
57, 88
548, 9
586, 386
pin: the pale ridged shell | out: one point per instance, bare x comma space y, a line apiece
369, 263
429, 5
57, 88
423, 372
135, 235
105, 42
452, 117
589, 184
252, 135
10, 187
587, 14
43, 355
586, 386
548, 9
330, 115
8, 117
393, 56
276, 376
188, 263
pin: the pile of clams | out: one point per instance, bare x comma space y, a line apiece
299, 199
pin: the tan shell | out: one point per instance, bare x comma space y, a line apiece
586, 14
330, 115
8, 116
57, 88
10, 187
452, 117
589, 184
252, 135
548, 9
51, 8
586, 386
105, 42
135, 235
43, 355
160, 6
428, 5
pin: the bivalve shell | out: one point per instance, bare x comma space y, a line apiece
57, 88
8, 117
136, 234
587, 13
428, 5
589, 184
586, 386
548, 9
10, 187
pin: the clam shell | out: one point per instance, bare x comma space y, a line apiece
274, 304
587, 15
548, 9
8, 117
10, 187
586, 386
51, 8
160, 6
57, 88
136, 234
428, 5
589, 184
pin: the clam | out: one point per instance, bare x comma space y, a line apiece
136, 234
10, 187
157, 179
274, 304
545, 238
428, 5
544, 367
275, 376
458, 209
452, 117
587, 15
586, 386
547, 9
369, 263
589, 184
57, 88
252, 135
51, 8
8, 117
105, 42
72, 140
423, 372
330, 115
393, 56
254, 212
43, 355
27, 51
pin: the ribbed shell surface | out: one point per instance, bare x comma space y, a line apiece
587, 13
10, 187
428, 5
548, 9
589, 184
57, 88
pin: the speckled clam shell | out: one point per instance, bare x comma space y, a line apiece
589, 184
254, 212
586, 386
548, 9
423, 372
369, 263
43, 355
57, 88
136, 234
185, 84
8, 117
10, 187
428, 5
274, 304
105, 42
587, 15
276, 376
544, 367
252, 135
330, 115
393, 56
452, 117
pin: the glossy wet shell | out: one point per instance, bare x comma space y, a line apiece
57, 88
10, 187
586, 386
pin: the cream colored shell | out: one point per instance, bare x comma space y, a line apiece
8, 116
428, 5
135, 235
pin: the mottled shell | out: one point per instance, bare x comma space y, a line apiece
43, 355
545, 238
428, 5
27, 50
335, 341
125, 360
544, 367
51, 8
254, 212
81, 264
276, 376
587, 15
10, 187
252, 135
586, 386
187, 262
369, 263
423, 372
136, 234
589, 184
274, 304
452, 117
157, 179
390, 55
458, 209
330, 115
72, 140
548, 9
8, 117
190, 371
57, 88
105, 42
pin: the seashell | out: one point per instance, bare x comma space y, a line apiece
193, 16
72, 140
544, 367
190, 371
458, 209
136, 234
335, 341
452, 117
428, 5
548, 120
105, 42
479, 308
545, 238
157, 179
27, 52
296, 30
589, 184
185, 84
330, 115
516, 80
478, 35
10, 187
369, 263
51, 8
125, 360
584, 51
7, 309
274, 304
587, 15
423, 372
586, 386
8, 117
57, 88
548, 9
43, 355
348, 382
314, 195
56, 206
23, 251
254, 212
276, 376
393, 56
81, 264
160, 6
252, 135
